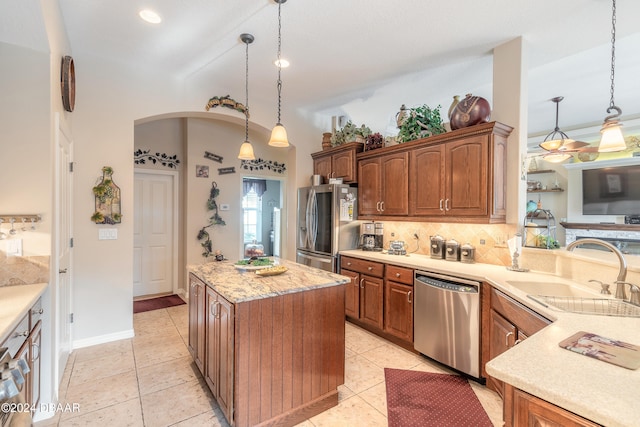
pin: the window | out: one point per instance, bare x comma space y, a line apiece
252, 216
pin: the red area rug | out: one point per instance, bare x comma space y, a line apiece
417, 398
157, 303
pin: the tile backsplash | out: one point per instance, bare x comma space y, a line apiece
17, 270
490, 240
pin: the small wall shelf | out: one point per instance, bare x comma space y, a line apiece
553, 190
540, 171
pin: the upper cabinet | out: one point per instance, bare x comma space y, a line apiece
337, 162
459, 176
383, 183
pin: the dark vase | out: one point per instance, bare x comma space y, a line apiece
472, 110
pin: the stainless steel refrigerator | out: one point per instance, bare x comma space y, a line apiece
326, 224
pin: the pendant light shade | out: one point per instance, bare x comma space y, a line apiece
556, 139
612, 139
558, 157
246, 149
279, 133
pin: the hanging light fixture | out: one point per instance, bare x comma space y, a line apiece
612, 139
246, 150
279, 133
557, 143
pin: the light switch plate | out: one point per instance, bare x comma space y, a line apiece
108, 234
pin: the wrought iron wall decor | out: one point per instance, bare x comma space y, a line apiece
226, 101
107, 196
225, 171
260, 164
142, 156
214, 157
215, 219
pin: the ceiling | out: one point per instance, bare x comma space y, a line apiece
343, 52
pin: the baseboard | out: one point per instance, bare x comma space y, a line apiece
102, 339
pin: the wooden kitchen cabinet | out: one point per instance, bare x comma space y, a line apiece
365, 294
337, 162
25, 342
383, 185
398, 302
197, 302
219, 339
529, 411
509, 322
458, 176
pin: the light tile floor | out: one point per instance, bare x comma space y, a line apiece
151, 381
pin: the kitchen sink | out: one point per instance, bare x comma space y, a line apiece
598, 306
553, 289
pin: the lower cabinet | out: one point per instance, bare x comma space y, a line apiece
24, 342
530, 411
197, 301
219, 339
398, 302
508, 322
380, 297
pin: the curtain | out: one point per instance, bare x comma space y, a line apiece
258, 185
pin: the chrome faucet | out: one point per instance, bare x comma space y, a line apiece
622, 274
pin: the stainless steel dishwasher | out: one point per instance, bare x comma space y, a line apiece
447, 320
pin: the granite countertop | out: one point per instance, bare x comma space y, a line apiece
237, 285
596, 390
15, 302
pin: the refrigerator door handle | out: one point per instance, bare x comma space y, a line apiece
314, 219
307, 238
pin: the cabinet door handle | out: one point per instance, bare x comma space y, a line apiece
40, 311
382, 206
212, 309
218, 311
446, 205
506, 339
409, 297
441, 203
518, 341
378, 206
361, 285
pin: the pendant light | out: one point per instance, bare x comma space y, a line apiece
246, 150
557, 143
612, 139
279, 133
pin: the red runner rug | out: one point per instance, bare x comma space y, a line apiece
157, 303
417, 398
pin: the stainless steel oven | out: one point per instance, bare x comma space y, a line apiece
447, 320
14, 412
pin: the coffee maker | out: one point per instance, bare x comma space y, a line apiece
371, 236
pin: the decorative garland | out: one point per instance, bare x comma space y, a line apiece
259, 164
215, 219
164, 159
228, 102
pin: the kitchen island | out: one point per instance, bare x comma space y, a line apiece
271, 348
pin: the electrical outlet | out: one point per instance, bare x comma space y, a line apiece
415, 236
482, 241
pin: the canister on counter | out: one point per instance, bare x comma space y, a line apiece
452, 250
437, 247
467, 253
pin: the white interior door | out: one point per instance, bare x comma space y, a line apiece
154, 241
62, 292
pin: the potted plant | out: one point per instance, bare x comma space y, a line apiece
350, 133
421, 122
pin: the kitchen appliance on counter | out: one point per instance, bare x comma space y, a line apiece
397, 247
437, 247
371, 236
447, 320
12, 390
452, 250
467, 253
325, 224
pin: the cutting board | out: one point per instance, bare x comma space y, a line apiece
606, 349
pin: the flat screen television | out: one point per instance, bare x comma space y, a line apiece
611, 191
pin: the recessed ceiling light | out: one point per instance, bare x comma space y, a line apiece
283, 63
150, 16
